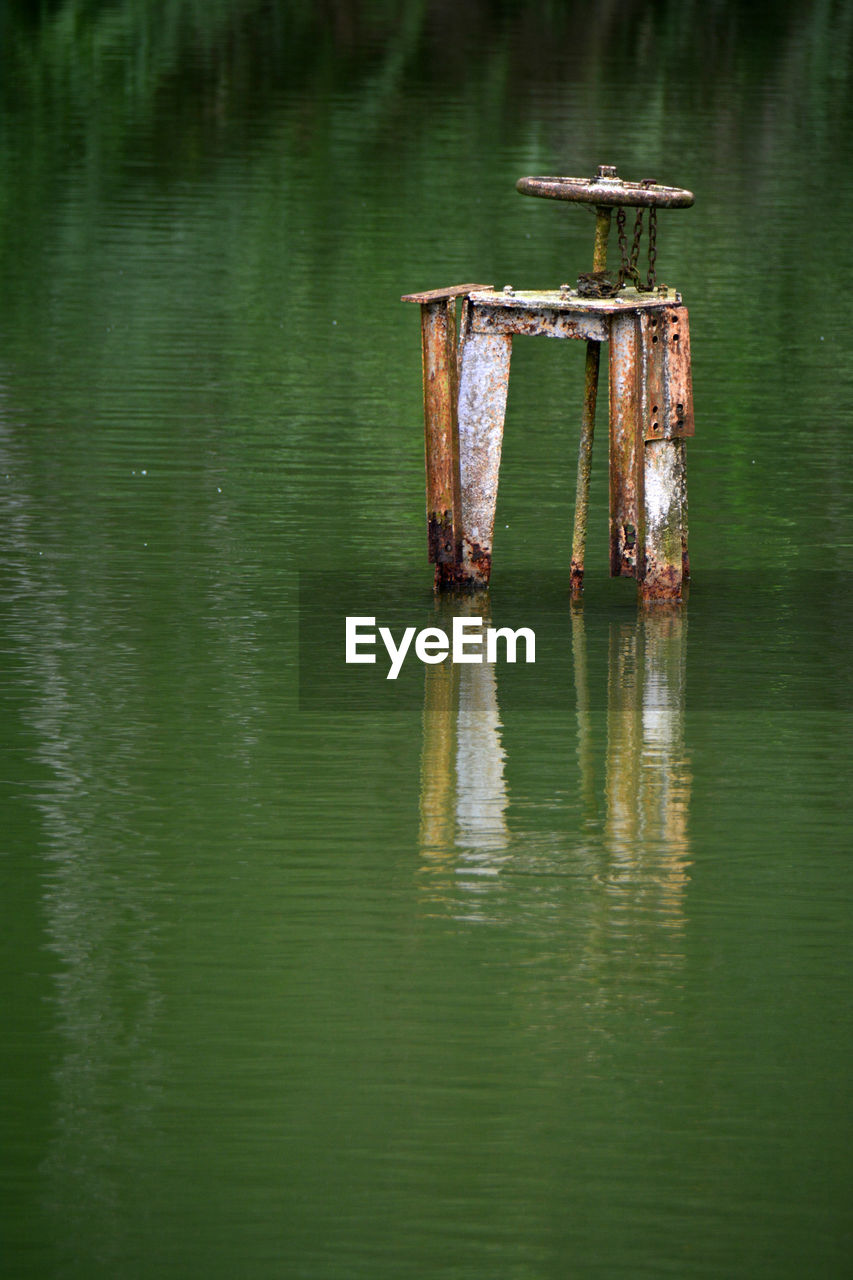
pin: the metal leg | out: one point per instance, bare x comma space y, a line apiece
441, 435
625, 446
483, 380
663, 486
667, 418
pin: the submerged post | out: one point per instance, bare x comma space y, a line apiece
441, 427
666, 418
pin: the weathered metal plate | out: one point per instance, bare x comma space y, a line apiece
483, 380
607, 192
679, 388
437, 295
667, 402
664, 520
539, 321
569, 300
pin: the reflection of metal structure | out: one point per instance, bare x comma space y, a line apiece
648, 779
651, 403
634, 781
463, 789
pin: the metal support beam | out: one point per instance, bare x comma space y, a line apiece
483, 381
666, 417
441, 433
441, 436
664, 533
625, 447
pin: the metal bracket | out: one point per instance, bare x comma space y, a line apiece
666, 411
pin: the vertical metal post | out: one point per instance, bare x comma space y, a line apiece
441, 435
667, 418
593, 355
625, 447
441, 369
663, 487
483, 381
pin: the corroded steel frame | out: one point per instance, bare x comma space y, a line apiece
441, 432
651, 413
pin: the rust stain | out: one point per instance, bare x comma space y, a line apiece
660, 582
472, 570
444, 548
540, 319
477, 562
667, 407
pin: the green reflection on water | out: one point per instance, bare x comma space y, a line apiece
513, 979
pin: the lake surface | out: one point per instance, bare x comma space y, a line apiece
529, 971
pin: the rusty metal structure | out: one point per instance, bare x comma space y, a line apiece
466, 376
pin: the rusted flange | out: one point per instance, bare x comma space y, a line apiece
606, 189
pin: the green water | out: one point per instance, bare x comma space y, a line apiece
493, 972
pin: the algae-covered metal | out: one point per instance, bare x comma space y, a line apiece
664, 566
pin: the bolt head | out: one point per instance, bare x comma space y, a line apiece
607, 171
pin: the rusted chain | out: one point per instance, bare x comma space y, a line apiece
629, 265
653, 252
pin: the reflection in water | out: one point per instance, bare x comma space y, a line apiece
585, 757
108, 804
647, 774
463, 789
481, 797
98, 918
641, 846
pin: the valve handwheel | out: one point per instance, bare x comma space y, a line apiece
607, 190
